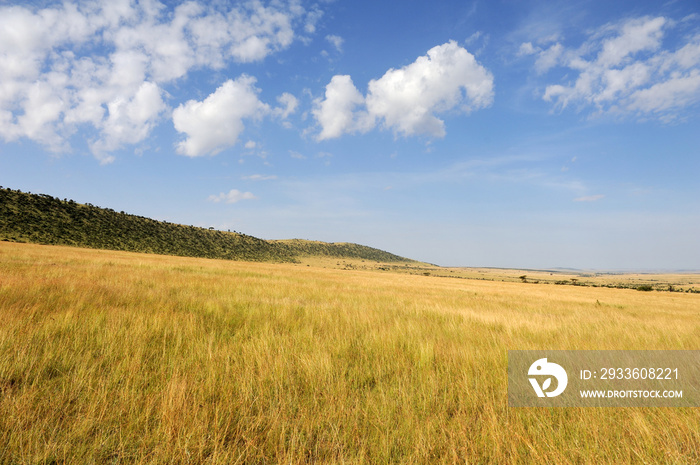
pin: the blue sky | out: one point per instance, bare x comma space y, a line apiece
529, 134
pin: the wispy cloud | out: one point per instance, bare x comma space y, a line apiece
336, 41
232, 196
259, 177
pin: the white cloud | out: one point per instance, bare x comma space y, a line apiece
312, 18
336, 113
215, 123
130, 121
549, 58
42, 110
526, 48
408, 100
232, 196
257, 31
546, 58
673, 94
105, 63
623, 69
289, 104
636, 35
448, 78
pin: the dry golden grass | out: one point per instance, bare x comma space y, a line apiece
112, 357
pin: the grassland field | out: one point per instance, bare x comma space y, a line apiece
114, 357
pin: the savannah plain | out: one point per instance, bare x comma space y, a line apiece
114, 357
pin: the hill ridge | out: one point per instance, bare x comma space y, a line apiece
43, 219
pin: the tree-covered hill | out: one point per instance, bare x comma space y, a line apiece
301, 248
43, 219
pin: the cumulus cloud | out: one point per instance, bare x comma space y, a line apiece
232, 196
624, 69
448, 78
408, 100
214, 124
105, 63
336, 112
